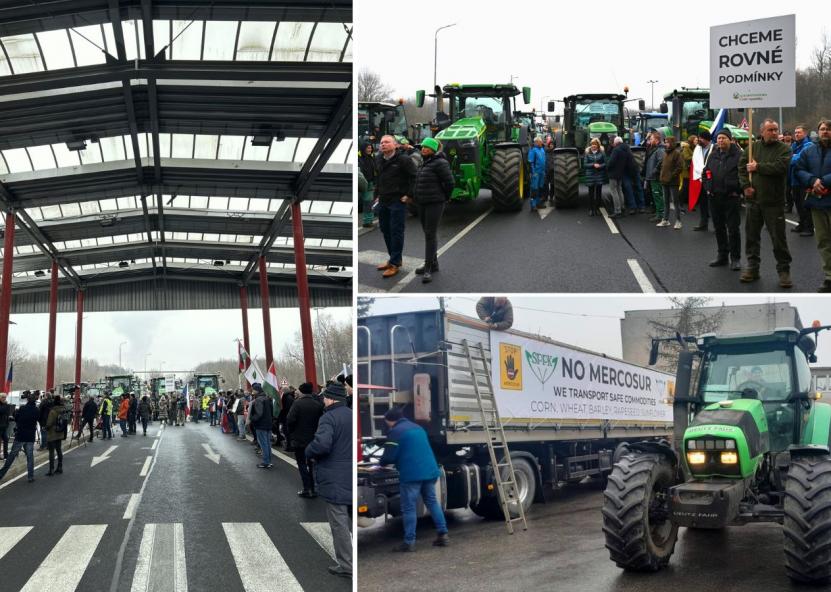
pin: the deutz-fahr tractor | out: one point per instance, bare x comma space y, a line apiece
484, 142
689, 112
376, 119
750, 444
586, 116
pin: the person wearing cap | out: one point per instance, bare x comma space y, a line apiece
496, 311
433, 188
409, 450
393, 186
331, 450
536, 165
260, 417
26, 420
301, 425
720, 183
764, 181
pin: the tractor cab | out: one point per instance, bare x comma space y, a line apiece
689, 113
590, 116
207, 384
643, 122
376, 119
493, 104
120, 384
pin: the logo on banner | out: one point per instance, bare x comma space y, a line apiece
510, 366
542, 365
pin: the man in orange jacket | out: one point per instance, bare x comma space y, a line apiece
123, 411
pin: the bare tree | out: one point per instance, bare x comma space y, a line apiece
689, 317
364, 305
821, 56
371, 87
333, 346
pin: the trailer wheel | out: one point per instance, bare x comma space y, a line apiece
807, 525
639, 533
526, 478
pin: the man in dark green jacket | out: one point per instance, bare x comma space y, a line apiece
764, 182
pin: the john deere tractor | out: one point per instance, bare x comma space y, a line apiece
750, 444
485, 144
585, 116
689, 112
376, 119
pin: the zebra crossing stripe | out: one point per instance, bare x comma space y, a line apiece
161, 559
9, 537
322, 534
64, 567
262, 571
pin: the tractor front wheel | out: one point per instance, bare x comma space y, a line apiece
566, 179
640, 534
508, 181
807, 525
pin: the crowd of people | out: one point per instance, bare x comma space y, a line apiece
788, 171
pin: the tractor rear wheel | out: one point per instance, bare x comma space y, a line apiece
807, 525
566, 179
639, 533
508, 181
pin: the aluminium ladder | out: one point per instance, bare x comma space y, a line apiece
507, 489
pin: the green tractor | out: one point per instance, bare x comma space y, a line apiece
750, 444
207, 384
485, 144
376, 119
586, 116
689, 113
119, 384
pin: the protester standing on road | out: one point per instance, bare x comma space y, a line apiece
433, 187
765, 202
45, 405
301, 425
88, 418
106, 413
798, 194
618, 167
26, 420
671, 167
56, 426
594, 163
331, 450
394, 185
260, 419
496, 311
132, 414
144, 413
720, 185
536, 164
163, 407
123, 413
548, 187
242, 406
369, 169
700, 156
409, 450
286, 401
652, 170
5, 415
687, 149
813, 171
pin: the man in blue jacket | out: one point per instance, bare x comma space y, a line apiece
408, 449
813, 172
26, 419
806, 224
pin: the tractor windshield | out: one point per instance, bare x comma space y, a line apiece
206, 382
652, 123
490, 109
746, 372
588, 111
379, 120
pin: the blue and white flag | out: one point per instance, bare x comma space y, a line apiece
719, 122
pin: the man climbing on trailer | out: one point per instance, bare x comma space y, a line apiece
496, 311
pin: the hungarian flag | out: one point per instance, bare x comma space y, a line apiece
254, 374
244, 360
270, 385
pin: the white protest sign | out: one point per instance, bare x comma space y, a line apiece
169, 384
538, 380
753, 63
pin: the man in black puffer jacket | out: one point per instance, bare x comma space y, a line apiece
433, 187
301, 425
721, 186
393, 187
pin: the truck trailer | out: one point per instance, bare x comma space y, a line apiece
567, 413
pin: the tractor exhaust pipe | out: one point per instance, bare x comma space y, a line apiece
681, 400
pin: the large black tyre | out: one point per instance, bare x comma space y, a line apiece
639, 533
566, 179
508, 180
490, 507
807, 525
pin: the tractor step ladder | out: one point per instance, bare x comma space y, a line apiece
507, 489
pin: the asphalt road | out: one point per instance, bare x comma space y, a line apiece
568, 251
183, 508
563, 549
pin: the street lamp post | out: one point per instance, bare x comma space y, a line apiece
119, 352
436, 50
652, 99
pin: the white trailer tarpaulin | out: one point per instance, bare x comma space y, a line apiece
537, 380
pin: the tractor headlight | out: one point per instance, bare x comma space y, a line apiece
696, 458
729, 458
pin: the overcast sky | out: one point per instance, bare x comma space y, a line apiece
181, 339
593, 321
559, 48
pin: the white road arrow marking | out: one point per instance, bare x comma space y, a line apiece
545, 211
103, 457
214, 456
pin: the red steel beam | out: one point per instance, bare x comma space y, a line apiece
265, 303
53, 317
303, 294
6, 296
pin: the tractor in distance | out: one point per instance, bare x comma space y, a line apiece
750, 444
586, 116
643, 122
484, 142
689, 112
376, 119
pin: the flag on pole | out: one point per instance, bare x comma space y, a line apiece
254, 374
719, 122
243, 356
187, 399
270, 385
10, 377
696, 169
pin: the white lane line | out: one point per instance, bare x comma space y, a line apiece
322, 534
789, 221
412, 275
180, 578
363, 289
265, 570
155, 443
131, 506
9, 536
146, 466
545, 211
154, 568
640, 277
64, 567
612, 228
37, 466
142, 573
284, 457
